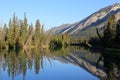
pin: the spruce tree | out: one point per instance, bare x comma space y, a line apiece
24, 31
10, 35
4, 37
30, 35
118, 32
109, 32
37, 33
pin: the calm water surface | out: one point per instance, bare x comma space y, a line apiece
55, 70
76, 64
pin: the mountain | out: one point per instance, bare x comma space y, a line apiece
87, 26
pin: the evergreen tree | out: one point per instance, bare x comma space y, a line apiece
24, 31
18, 35
118, 27
30, 35
42, 36
42, 30
30, 29
118, 32
14, 24
37, 33
4, 37
4, 34
109, 32
10, 35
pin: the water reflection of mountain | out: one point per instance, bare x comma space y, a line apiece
87, 61
108, 65
105, 65
20, 62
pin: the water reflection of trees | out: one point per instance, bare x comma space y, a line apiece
19, 62
23, 60
107, 60
111, 65
60, 52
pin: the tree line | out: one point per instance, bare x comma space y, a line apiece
59, 41
19, 34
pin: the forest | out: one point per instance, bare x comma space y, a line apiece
18, 34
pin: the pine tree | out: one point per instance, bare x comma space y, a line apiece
30, 35
4, 34
10, 35
4, 37
24, 30
30, 29
17, 35
118, 32
118, 27
42, 36
14, 24
37, 33
109, 32
42, 30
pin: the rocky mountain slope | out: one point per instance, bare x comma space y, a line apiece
86, 27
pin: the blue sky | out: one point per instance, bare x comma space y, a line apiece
51, 13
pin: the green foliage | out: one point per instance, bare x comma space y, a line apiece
21, 61
23, 36
60, 52
19, 34
4, 33
10, 35
109, 32
37, 33
59, 41
78, 40
118, 33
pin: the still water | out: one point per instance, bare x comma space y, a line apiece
65, 64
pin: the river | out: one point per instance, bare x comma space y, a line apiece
63, 64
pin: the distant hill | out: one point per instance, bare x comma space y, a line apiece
87, 26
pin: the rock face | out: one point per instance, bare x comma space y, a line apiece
97, 19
